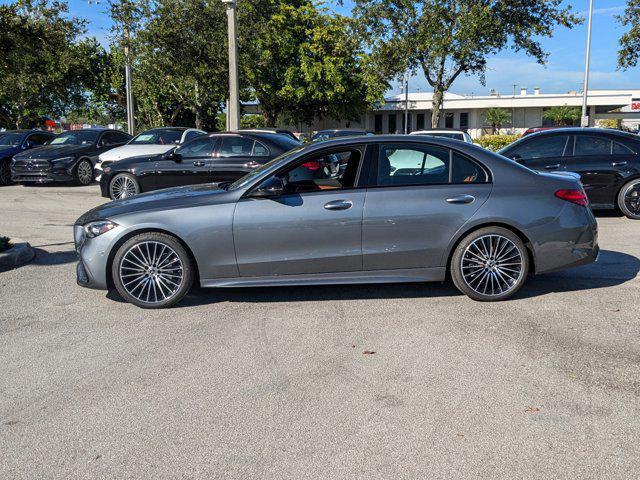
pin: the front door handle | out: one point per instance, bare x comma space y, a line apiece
619, 164
461, 199
198, 163
339, 205
555, 166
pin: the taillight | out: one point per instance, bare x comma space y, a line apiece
574, 196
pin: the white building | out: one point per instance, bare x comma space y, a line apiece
468, 112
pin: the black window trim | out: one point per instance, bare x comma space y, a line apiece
253, 149
372, 181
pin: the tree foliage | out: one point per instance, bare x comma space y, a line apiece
447, 38
629, 52
563, 115
497, 117
46, 65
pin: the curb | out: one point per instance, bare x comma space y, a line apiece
18, 255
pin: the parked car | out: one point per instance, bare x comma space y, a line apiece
13, 142
218, 157
70, 156
405, 209
323, 135
608, 162
282, 131
149, 142
446, 133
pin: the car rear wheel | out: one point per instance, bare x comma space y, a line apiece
84, 172
629, 199
490, 264
152, 270
123, 185
5, 172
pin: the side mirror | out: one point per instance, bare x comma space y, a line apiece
517, 158
28, 144
176, 157
271, 187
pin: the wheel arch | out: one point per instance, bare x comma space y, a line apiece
463, 233
128, 235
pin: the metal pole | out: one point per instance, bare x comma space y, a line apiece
406, 103
131, 122
584, 121
233, 107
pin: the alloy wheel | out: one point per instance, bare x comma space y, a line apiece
492, 265
85, 172
123, 187
632, 198
151, 272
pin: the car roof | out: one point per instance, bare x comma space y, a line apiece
272, 137
181, 129
341, 130
438, 130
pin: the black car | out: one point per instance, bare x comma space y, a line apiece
218, 157
608, 162
13, 142
70, 156
339, 132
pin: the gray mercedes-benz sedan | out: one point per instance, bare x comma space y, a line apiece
354, 210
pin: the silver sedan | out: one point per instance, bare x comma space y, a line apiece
354, 210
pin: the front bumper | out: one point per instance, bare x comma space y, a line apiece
25, 175
93, 257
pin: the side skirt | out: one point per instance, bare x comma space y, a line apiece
436, 274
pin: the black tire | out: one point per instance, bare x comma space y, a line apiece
121, 183
503, 269
83, 173
629, 199
5, 172
131, 280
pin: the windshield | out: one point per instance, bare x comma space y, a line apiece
455, 136
78, 137
158, 136
254, 173
11, 139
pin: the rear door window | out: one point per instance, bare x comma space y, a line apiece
587, 145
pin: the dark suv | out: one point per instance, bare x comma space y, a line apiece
608, 162
70, 156
13, 142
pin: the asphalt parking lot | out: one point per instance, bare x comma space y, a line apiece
383, 381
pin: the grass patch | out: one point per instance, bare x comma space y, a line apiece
5, 244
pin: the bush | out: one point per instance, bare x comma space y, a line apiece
496, 142
5, 244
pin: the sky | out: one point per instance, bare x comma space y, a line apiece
563, 72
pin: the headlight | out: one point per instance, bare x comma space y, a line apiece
94, 229
63, 160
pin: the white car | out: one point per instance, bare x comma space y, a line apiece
447, 133
151, 142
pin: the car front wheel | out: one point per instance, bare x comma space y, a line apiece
84, 172
123, 185
629, 199
490, 264
152, 270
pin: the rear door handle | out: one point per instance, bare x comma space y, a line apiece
198, 163
555, 166
339, 205
461, 199
619, 164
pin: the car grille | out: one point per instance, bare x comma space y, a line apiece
31, 166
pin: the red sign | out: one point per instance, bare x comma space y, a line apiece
635, 105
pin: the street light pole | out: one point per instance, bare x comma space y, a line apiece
406, 102
584, 121
233, 107
131, 122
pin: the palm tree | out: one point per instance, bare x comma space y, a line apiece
562, 116
497, 117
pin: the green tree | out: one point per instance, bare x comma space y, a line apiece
447, 38
630, 42
563, 115
46, 66
497, 117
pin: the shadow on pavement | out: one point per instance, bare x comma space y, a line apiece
44, 258
612, 268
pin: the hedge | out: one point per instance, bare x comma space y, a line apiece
496, 142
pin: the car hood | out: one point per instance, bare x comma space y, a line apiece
166, 199
8, 150
52, 151
127, 151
